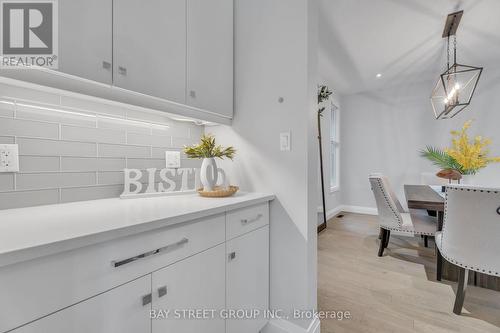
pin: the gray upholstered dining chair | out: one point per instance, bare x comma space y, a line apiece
470, 238
392, 216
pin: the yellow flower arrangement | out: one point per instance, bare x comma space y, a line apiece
472, 155
466, 155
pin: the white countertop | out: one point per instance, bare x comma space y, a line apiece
28, 233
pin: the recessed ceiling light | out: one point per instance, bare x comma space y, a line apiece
378, 76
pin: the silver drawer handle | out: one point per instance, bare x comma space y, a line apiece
122, 70
247, 221
118, 263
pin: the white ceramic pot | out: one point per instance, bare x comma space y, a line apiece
468, 180
208, 174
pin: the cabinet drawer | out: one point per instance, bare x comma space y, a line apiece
119, 310
241, 221
39, 287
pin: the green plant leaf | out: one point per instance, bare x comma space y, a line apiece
207, 148
441, 159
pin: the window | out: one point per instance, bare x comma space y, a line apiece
334, 148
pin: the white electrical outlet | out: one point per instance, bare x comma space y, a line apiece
9, 158
285, 144
173, 159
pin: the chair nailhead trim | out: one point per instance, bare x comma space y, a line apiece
382, 190
477, 269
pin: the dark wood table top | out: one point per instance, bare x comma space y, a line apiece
423, 197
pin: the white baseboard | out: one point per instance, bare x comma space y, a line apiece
349, 209
331, 213
285, 326
359, 210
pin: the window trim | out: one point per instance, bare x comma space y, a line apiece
334, 141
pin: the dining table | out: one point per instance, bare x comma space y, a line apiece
432, 199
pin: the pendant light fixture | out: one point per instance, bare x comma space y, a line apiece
454, 90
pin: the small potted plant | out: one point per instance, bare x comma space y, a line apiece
464, 158
207, 150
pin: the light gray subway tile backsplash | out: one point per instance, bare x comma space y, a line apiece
110, 178
90, 193
124, 124
6, 109
181, 142
75, 148
106, 150
92, 164
6, 182
29, 181
68, 118
39, 147
180, 131
149, 140
39, 163
82, 134
190, 163
145, 163
19, 127
7, 140
95, 106
28, 198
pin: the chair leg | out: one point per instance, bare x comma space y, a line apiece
382, 242
426, 241
463, 277
380, 233
439, 265
388, 232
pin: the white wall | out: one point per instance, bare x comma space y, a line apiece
275, 56
383, 131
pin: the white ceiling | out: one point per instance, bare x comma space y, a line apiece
401, 39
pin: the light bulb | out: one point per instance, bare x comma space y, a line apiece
457, 86
446, 101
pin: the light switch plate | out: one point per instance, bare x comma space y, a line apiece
173, 159
9, 158
285, 144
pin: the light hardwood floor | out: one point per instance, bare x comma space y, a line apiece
395, 293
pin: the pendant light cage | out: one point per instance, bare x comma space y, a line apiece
456, 85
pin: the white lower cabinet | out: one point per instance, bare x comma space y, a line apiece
119, 310
192, 293
188, 278
247, 280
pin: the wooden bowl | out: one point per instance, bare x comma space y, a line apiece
219, 192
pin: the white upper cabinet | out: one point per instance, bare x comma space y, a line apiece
171, 55
85, 30
210, 55
149, 45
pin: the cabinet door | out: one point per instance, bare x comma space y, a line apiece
247, 279
210, 55
150, 47
85, 39
119, 310
196, 283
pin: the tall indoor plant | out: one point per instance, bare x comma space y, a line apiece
207, 150
466, 156
323, 95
